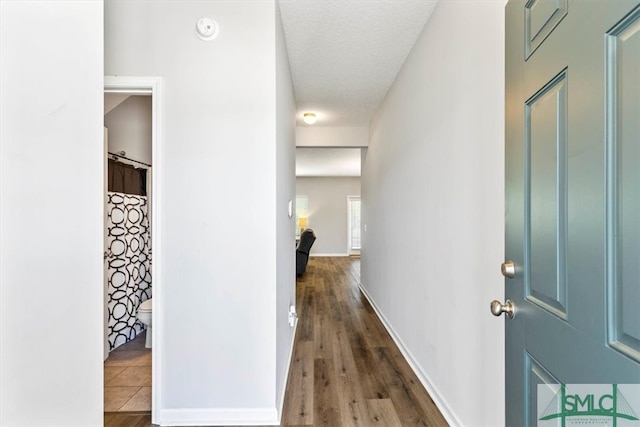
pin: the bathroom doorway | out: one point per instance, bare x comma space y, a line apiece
132, 290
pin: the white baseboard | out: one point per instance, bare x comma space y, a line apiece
286, 377
433, 391
219, 417
334, 255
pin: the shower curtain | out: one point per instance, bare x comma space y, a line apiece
129, 268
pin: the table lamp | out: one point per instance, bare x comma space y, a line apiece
302, 223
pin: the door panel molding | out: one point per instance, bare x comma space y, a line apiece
537, 375
541, 18
623, 190
546, 196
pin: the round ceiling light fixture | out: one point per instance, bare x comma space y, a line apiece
309, 118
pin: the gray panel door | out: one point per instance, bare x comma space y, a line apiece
572, 197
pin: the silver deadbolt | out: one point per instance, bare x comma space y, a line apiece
508, 307
508, 269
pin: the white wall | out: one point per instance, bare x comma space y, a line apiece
319, 136
51, 208
285, 192
328, 211
129, 127
218, 189
433, 189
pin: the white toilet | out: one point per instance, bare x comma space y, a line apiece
144, 315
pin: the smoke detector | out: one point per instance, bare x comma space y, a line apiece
207, 28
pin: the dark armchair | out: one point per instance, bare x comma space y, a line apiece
307, 237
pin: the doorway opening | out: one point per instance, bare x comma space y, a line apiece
354, 224
132, 245
325, 177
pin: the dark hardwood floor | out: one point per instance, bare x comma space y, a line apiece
346, 369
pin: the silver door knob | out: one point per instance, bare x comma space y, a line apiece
508, 307
508, 269
108, 254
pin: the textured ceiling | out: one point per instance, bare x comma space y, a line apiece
328, 162
345, 54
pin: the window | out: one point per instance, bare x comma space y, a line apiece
354, 223
302, 214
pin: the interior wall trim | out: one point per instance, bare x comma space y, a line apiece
280, 403
219, 417
436, 395
329, 255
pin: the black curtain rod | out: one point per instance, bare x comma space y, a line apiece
118, 156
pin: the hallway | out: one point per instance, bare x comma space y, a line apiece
346, 370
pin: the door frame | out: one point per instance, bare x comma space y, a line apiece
151, 86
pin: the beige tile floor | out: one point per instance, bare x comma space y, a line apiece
127, 378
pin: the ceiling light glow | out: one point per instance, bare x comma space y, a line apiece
310, 118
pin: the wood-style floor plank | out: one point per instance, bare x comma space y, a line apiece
353, 404
323, 343
306, 310
372, 384
115, 419
360, 376
301, 389
382, 413
326, 408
